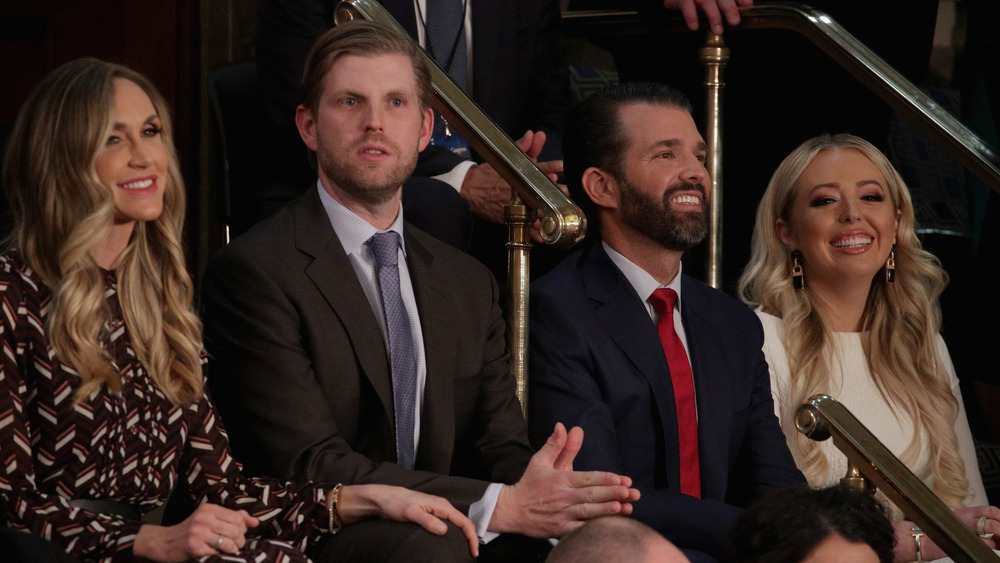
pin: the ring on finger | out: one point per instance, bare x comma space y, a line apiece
981, 526
218, 542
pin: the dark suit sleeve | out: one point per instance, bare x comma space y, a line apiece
764, 460
549, 82
564, 389
502, 440
263, 382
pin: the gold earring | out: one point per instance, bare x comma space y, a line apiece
798, 279
890, 266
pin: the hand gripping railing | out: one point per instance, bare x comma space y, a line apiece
823, 417
942, 127
563, 223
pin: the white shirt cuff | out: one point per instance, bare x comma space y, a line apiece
481, 512
456, 175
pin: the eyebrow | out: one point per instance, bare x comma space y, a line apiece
674, 143
118, 126
837, 184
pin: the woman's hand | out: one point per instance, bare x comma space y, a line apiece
970, 517
906, 549
358, 502
210, 530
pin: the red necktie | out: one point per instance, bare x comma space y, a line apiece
663, 301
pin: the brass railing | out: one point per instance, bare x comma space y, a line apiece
911, 103
823, 417
563, 223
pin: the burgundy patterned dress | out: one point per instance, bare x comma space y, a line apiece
130, 446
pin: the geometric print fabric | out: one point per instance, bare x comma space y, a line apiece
131, 446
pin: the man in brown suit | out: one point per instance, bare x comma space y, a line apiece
337, 356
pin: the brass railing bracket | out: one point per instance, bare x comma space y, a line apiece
822, 417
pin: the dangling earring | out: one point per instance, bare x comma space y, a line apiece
890, 266
798, 279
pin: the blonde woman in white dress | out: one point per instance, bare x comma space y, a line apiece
849, 304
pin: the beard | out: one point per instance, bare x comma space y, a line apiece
656, 220
368, 182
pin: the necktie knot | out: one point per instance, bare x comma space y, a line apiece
663, 300
385, 247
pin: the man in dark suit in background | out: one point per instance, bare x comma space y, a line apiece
664, 374
348, 346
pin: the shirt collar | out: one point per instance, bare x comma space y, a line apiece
353, 231
641, 281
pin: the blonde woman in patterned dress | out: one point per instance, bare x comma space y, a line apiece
848, 301
102, 407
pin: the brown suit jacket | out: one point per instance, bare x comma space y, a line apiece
300, 373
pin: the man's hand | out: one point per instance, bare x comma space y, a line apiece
713, 10
488, 193
552, 500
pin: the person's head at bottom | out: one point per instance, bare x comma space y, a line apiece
615, 539
797, 524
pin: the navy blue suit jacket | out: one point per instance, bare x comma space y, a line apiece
596, 362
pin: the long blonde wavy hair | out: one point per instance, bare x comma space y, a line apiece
61, 210
900, 323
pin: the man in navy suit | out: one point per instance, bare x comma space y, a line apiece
611, 354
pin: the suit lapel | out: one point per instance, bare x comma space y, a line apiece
334, 277
628, 325
437, 423
711, 391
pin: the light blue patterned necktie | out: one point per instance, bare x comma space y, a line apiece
385, 247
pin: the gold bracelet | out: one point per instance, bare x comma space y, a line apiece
332, 496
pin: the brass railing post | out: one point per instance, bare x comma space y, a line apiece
714, 56
518, 218
855, 479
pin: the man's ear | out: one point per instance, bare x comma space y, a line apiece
785, 233
601, 187
307, 126
426, 129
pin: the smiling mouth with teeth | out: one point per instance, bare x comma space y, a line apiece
686, 200
853, 242
138, 185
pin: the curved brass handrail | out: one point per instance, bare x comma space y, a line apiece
915, 106
563, 223
823, 417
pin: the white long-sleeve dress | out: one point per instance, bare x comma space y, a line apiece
852, 385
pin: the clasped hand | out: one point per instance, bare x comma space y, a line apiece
216, 530
488, 193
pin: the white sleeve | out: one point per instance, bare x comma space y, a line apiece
456, 176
